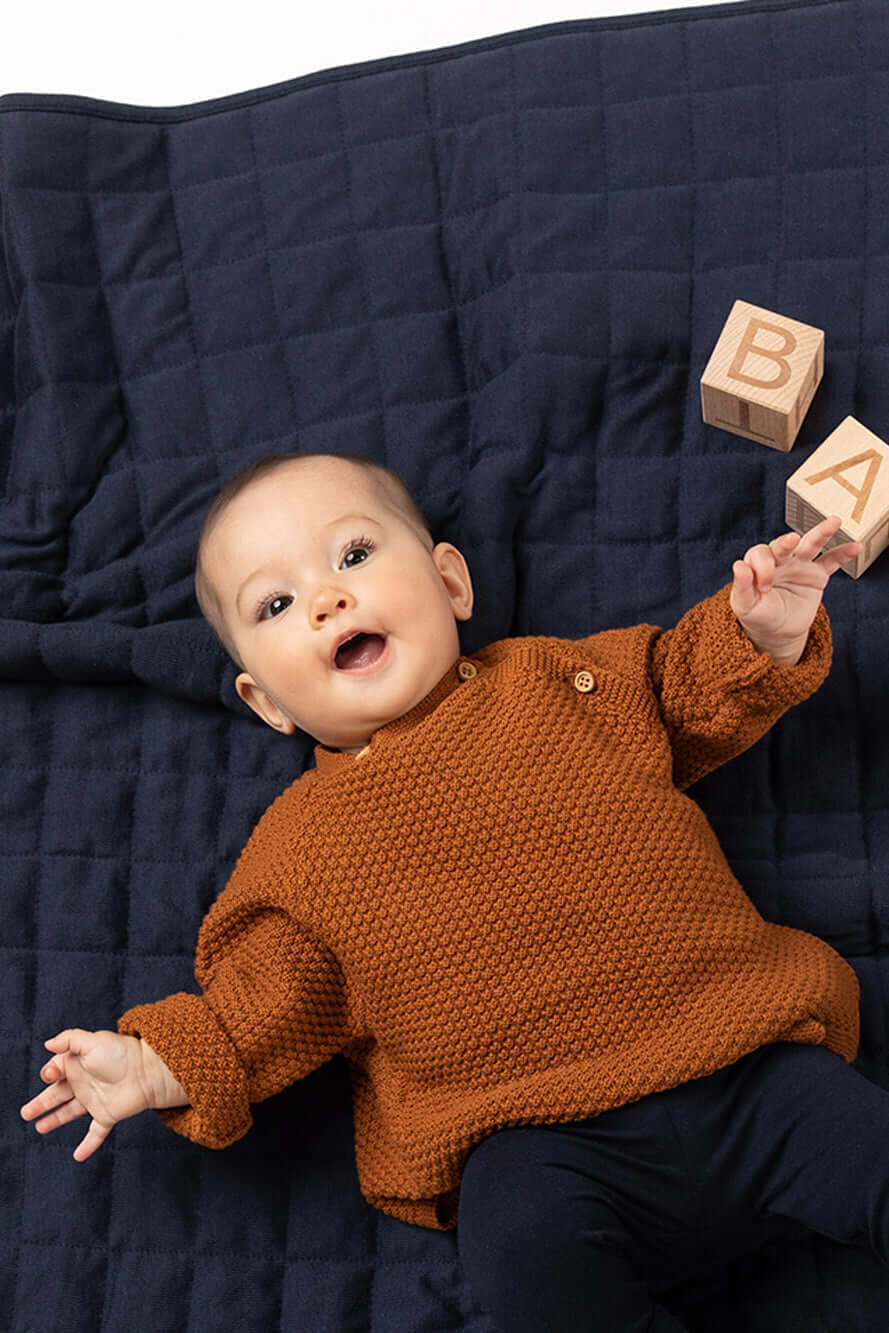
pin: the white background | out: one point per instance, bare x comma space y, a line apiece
172, 52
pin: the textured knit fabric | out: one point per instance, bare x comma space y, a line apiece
505, 910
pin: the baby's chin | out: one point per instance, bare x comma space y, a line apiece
404, 693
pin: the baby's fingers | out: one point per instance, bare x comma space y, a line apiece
744, 596
76, 1040
59, 1042
814, 540
60, 1095
93, 1139
831, 561
761, 560
72, 1110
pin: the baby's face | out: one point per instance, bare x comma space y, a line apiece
310, 552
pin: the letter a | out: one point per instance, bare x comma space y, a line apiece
747, 346
873, 460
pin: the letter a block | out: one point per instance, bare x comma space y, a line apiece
762, 376
847, 475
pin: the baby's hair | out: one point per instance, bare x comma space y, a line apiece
387, 482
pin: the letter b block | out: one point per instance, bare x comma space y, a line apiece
762, 376
847, 475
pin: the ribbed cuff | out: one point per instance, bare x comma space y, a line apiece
744, 665
183, 1031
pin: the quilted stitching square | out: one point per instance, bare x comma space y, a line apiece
393, 184
829, 113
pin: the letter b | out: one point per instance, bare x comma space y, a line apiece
762, 375
748, 347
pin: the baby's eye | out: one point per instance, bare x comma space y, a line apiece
275, 605
359, 544
281, 603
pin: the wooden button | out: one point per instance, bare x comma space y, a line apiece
584, 681
466, 670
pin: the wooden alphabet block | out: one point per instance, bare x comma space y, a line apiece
847, 475
762, 376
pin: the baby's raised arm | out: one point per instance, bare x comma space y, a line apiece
104, 1075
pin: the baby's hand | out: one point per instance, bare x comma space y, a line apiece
777, 587
100, 1074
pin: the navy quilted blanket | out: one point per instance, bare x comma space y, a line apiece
500, 268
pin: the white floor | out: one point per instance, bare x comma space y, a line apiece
172, 52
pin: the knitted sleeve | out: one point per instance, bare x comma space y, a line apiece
273, 1007
717, 693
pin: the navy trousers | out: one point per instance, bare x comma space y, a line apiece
575, 1227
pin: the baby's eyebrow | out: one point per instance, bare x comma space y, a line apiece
332, 524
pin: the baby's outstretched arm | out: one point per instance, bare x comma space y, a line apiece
104, 1075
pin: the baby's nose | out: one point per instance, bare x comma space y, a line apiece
319, 614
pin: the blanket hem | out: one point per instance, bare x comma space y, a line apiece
74, 104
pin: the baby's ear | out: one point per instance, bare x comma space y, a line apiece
263, 704
455, 575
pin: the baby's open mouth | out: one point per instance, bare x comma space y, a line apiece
362, 650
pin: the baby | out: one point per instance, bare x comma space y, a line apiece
571, 1035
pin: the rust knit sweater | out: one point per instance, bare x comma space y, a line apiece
505, 910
